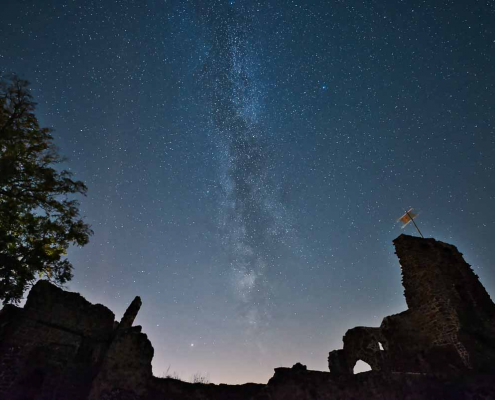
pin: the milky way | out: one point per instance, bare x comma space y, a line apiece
246, 161
253, 221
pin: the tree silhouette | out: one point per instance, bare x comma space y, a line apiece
38, 219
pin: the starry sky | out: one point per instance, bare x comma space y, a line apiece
247, 160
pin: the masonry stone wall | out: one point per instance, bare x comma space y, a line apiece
61, 347
449, 327
126, 367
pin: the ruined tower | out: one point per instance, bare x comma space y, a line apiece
449, 326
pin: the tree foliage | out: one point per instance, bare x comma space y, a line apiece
38, 217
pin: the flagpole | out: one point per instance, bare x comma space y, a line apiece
411, 218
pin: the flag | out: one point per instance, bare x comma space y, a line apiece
407, 217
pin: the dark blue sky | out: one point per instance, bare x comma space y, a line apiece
247, 161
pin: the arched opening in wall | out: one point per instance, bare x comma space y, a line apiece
380, 346
361, 366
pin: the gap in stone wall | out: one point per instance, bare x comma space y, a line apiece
361, 366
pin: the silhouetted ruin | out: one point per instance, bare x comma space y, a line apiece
60, 346
449, 326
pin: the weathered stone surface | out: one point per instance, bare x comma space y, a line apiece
127, 365
360, 343
451, 308
53, 345
131, 313
61, 347
57, 345
449, 327
51, 305
290, 384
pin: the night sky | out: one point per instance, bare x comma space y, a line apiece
247, 160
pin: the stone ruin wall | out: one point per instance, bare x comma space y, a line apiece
452, 307
59, 343
449, 326
60, 346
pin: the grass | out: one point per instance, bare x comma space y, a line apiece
198, 377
